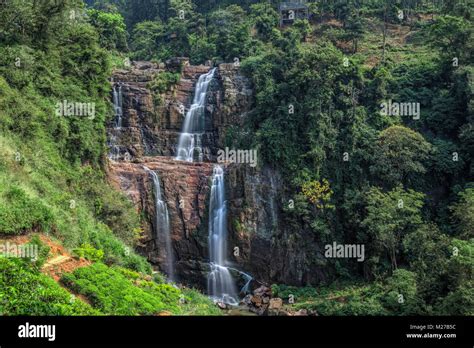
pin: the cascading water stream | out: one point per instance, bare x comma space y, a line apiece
114, 153
247, 278
190, 139
118, 106
220, 283
162, 224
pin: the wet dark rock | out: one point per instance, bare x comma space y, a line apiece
221, 305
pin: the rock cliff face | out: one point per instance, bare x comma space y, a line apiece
148, 137
270, 248
185, 188
259, 241
151, 127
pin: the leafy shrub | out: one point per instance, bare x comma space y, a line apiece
25, 291
192, 301
195, 303
20, 213
318, 192
88, 252
121, 291
43, 251
111, 28
159, 278
342, 299
113, 293
115, 251
402, 294
300, 294
458, 302
163, 83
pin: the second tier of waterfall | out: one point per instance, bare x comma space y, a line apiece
220, 282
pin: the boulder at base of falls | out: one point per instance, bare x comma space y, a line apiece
263, 291
221, 305
259, 301
275, 303
301, 313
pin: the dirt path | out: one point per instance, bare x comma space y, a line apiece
59, 259
55, 261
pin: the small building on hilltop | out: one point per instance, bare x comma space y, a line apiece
292, 10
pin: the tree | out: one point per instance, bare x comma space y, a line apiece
463, 213
265, 19
399, 155
303, 27
182, 22
458, 8
231, 33
427, 251
402, 294
108, 5
389, 217
461, 263
466, 137
458, 302
451, 35
137, 11
318, 193
145, 39
35, 22
111, 28
354, 29
201, 49
442, 159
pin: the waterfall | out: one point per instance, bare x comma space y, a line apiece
118, 103
273, 209
114, 153
220, 283
115, 150
246, 277
146, 149
246, 288
162, 224
190, 139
